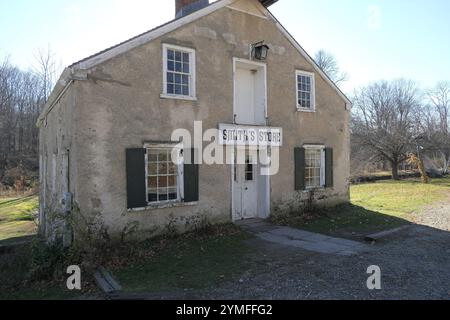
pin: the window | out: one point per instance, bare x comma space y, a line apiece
305, 91
179, 72
249, 172
314, 167
162, 175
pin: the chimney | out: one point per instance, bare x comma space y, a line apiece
185, 7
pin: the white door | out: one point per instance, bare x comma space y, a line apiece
245, 96
245, 190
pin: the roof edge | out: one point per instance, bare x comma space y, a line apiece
148, 36
60, 86
302, 51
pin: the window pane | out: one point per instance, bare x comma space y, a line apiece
162, 168
178, 89
170, 89
178, 67
152, 182
173, 194
172, 168
177, 78
162, 182
152, 156
172, 181
186, 67
152, 169
170, 55
185, 90
178, 56
162, 194
152, 196
170, 66
169, 77
185, 57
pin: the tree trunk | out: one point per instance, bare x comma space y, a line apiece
446, 161
394, 165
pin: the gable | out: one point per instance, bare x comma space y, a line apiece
251, 7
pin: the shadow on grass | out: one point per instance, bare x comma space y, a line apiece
188, 262
349, 221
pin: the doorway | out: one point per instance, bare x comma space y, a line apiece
249, 92
245, 196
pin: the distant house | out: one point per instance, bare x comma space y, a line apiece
106, 133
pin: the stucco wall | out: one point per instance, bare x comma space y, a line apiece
56, 142
120, 107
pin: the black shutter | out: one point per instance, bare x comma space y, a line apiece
328, 167
191, 176
299, 169
136, 187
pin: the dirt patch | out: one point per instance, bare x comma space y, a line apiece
435, 216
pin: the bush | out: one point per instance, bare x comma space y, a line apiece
46, 260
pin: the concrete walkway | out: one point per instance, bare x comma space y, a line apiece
302, 239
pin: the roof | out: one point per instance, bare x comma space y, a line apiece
69, 76
265, 3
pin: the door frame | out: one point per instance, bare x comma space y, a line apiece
266, 203
263, 67
258, 65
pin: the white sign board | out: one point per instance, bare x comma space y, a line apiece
235, 135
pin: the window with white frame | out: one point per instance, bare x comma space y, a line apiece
163, 176
179, 72
305, 91
314, 166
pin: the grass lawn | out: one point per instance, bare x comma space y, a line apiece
399, 198
17, 217
374, 207
188, 262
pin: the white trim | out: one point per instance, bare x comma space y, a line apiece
308, 58
180, 176
192, 74
177, 97
258, 175
255, 63
322, 163
313, 90
249, 13
164, 206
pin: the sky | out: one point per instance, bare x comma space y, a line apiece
371, 39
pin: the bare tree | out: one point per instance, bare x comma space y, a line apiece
436, 122
329, 64
384, 120
46, 70
22, 95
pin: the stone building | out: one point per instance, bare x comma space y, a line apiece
108, 134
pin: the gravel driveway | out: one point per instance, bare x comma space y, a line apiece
415, 264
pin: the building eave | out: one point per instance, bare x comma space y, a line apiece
67, 77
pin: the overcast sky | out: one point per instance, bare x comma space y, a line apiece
372, 39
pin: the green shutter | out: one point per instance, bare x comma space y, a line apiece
136, 187
191, 176
329, 168
299, 169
